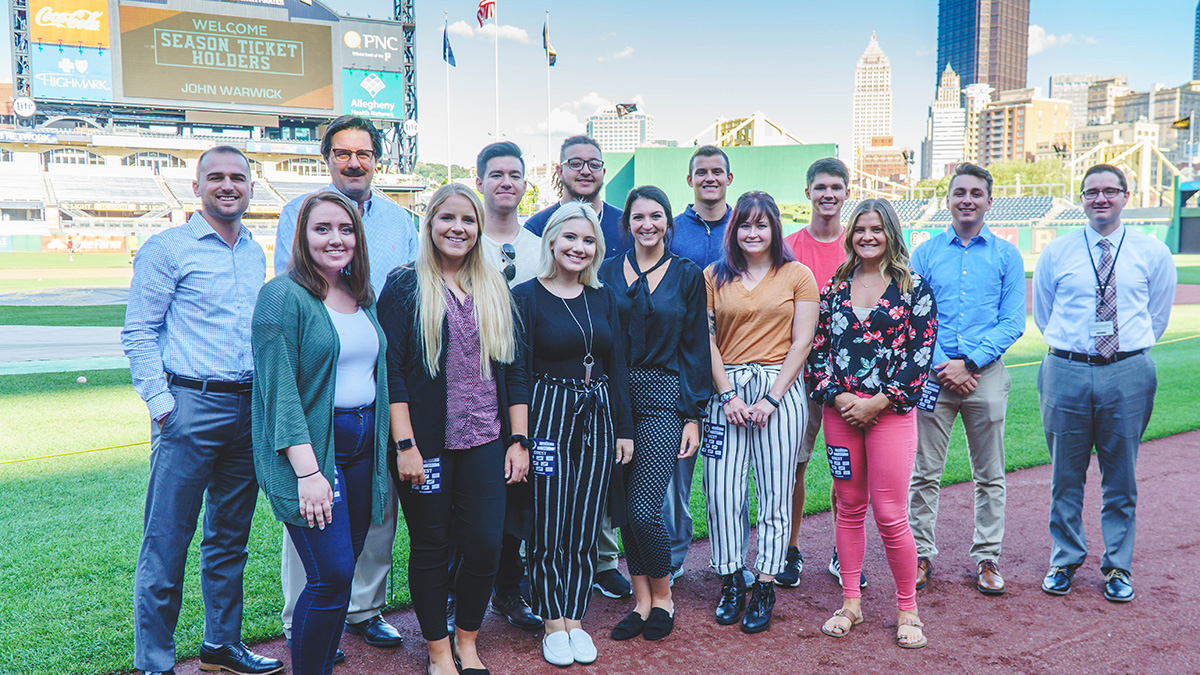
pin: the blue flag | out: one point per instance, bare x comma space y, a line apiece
447, 52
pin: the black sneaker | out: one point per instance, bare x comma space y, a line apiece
835, 568
611, 584
792, 567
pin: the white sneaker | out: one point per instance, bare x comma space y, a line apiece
582, 647
556, 649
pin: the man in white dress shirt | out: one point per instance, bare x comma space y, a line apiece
1101, 297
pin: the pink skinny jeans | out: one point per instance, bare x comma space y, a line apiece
881, 461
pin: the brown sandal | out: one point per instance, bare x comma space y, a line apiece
846, 614
915, 623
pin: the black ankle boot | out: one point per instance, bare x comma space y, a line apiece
762, 603
733, 599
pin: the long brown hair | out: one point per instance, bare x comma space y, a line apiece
303, 271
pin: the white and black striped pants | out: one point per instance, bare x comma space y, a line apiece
772, 450
568, 507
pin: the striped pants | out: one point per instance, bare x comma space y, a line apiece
568, 506
772, 451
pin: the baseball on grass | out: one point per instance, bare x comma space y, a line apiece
81, 379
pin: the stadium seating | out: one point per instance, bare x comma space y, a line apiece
290, 190
22, 188
1019, 209
99, 186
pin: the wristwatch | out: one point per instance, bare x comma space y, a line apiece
971, 367
728, 396
404, 444
525, 441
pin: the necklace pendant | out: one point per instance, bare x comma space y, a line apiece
588, 361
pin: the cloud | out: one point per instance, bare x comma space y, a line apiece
507, 32
1040, 40
623, 54
461, 28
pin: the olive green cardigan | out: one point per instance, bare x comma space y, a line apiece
295, 368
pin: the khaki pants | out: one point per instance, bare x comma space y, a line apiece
983, 419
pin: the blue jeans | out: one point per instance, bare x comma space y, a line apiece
329, 555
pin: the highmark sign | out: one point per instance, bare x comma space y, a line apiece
373, 94
72, 73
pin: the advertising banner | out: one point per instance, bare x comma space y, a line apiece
916, 237
167, 54
374, 94
79, 23
1010, 234
372, 45
57, 243
72, 73
6, 243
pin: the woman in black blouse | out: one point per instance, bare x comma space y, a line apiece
661, 300
580, 423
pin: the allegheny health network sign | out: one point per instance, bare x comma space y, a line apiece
373, 94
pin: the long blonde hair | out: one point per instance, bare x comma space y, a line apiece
590, 276
895, 259
489, 293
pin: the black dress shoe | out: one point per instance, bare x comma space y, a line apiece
758, 612
1058, 580
733, 599
516, 611
339, 656
237, 658
376, 632
659, 624
1118, 586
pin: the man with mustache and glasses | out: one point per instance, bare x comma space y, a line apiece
580, 176
352, 147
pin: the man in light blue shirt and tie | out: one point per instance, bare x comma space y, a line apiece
352, 147
187, 336
1102, 297
978, 280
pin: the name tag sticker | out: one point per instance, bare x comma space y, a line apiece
839, 461
929, 394
433, 477
1100, 328
713, 445
544, 461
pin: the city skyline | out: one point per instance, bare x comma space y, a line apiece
794, 65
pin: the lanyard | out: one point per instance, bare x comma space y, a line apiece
1102, 286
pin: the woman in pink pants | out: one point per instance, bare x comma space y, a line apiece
869, 362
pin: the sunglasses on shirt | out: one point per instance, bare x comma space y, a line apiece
509, 253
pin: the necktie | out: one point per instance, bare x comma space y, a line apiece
1106, 301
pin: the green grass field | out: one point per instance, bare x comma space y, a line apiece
62, 315
25, 261
70, 526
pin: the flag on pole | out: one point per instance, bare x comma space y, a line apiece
1182, 123
551, 55
487, 9
624, 109
447, 52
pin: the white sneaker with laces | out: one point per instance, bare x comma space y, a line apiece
556, 649
582, 647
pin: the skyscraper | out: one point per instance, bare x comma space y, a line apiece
620, 133
985, 41
944, 131
872, 97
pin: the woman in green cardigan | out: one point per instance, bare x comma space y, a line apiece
320, 414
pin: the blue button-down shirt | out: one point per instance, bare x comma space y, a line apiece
979, 286
190, 306
698, 240
391, 236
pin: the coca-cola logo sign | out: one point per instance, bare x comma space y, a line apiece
80, 19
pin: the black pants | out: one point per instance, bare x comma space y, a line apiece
659, 428
469, 507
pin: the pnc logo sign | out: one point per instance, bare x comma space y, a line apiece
80, 19
378, 46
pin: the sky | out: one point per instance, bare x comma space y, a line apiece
689, 63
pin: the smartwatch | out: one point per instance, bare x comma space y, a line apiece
971, 367
404, 444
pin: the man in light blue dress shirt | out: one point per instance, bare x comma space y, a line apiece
187, 336
1102, 297
978, 280
352, 147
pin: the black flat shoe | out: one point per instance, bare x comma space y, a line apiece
659, 624
629, 627
458, 662
733, 599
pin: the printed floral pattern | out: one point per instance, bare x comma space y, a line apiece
890, 352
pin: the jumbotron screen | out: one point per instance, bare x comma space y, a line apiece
266, 56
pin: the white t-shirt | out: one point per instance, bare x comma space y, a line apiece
529, 255
354, 385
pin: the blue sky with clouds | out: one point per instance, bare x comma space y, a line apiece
688, 63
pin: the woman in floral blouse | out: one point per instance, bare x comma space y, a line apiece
869, 362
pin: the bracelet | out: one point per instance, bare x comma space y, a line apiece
771, 400
727, 396
308, 474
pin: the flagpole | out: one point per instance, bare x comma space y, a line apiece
496, 19
548, 150
449, 175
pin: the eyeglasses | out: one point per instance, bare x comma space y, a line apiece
1108, 193
576, 164
363, 156
509, 253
